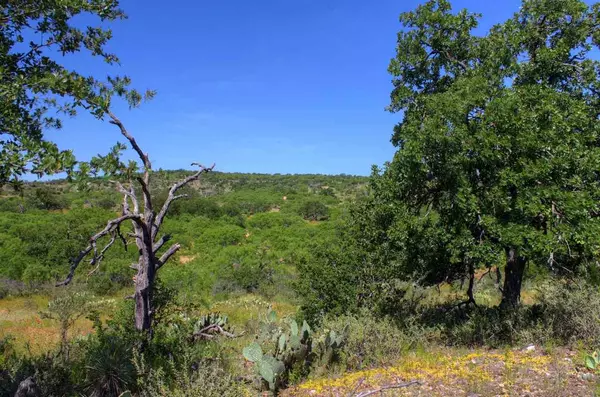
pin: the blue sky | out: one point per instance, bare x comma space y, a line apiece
275, 86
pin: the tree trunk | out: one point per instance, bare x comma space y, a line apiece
144, 284
470, 290
513, 277
64, 343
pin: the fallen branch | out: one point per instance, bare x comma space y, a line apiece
387, 387
209, 332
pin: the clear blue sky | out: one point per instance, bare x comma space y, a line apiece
276, 86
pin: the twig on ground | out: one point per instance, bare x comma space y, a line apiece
387, 387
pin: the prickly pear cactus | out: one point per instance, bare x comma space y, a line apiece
330, 344
253, 352
292, 347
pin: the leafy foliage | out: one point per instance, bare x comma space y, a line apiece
496, 165
35, 85
314, 211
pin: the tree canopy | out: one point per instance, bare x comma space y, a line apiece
499, 140
497, 158
36, 89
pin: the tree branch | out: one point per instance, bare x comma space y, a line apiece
147, 197
172, 197
161, 242
212, 330
168, 254
110, 226
128, 194
144, 157
97, 259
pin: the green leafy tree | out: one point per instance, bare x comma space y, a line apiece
498, 147
314, 211
35, 88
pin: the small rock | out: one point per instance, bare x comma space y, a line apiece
28, 388
530, 348
587, 376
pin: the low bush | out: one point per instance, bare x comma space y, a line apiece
314, 211
203, 379
371, 341
569, 312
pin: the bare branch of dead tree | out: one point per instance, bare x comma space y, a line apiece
110, 226
172, 197
165, 257
159, 244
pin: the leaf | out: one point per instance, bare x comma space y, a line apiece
305, 329
277, 365
272, 316
295, 341
281, 344
294, 327
590, 362
253, 352
268, 367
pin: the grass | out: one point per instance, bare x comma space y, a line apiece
19, 317
441, 370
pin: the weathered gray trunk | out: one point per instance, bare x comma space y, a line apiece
144, 283
513, 278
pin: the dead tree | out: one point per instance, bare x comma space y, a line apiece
146, 222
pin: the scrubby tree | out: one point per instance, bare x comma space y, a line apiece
66, 310
498, 147
314, 211
35, 87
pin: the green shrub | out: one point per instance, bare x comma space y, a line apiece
44, 198
198, 206
569, 312
314, 211
371, 341
231, 209
328, 282
12, 204
106, 203
244, 269
36, 274
202, 379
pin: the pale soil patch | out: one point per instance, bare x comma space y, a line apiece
183, 259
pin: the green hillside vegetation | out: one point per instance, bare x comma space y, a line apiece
241, 233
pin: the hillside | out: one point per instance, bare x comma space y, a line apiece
240, 232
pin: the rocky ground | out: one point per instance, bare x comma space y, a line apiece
525, 372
